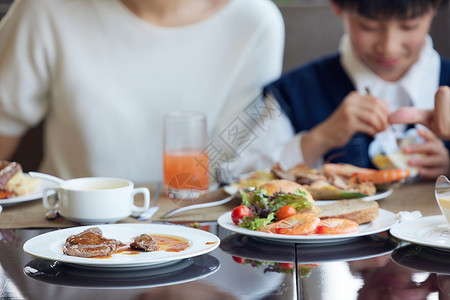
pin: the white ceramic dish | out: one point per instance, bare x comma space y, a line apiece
377, 196
383, 222
429, 231
49, 246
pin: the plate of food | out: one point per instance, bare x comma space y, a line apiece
332, 182
378, 196
17, 187
284, 211
121, 246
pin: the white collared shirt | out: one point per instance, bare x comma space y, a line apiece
417, 87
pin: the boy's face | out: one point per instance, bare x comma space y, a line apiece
388, 47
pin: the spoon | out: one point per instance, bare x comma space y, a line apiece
53, 213
46, 177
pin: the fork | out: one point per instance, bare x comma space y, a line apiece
196, 206
233, 193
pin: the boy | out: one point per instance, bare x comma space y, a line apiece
337, 104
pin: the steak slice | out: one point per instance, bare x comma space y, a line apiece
144, 242
90, 243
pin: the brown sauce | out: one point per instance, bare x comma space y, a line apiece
210, 243
170, 243
165, 243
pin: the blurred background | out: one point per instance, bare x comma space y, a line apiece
312, 30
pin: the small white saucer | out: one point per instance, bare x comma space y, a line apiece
432, 231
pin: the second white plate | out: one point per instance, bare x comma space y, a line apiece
383, 222
429, 231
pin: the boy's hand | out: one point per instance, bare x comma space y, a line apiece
357, 113
438, 120
434, 160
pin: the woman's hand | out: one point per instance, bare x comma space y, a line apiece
434, 160
357, 113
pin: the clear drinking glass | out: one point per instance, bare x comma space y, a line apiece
185, 159
442, 194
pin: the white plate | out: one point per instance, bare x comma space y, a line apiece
383, 222
37, 194
377, 196
49, 245
1, 208
429, 231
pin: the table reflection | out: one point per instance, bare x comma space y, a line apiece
68, 275
422, 258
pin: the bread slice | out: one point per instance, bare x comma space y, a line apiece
359, 211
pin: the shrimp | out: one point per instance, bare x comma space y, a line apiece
381, 176
304, 223
336, 226
344, 170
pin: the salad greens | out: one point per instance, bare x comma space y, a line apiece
264, 206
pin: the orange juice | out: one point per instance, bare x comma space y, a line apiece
186, 170
444, 204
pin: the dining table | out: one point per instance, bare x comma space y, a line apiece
242, 266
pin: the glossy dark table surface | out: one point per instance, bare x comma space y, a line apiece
243, 267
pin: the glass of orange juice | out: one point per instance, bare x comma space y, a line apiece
185, 159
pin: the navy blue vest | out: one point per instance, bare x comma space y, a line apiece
309, 94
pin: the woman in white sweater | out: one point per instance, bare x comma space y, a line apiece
103, 73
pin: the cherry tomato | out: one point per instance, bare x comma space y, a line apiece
239, 260
287, 266
285, 212
240, 212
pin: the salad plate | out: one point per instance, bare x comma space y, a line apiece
185, 270
383, 222
422, 258
429, 231
49, 246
